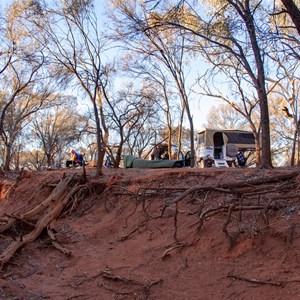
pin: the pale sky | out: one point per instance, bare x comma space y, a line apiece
200, 106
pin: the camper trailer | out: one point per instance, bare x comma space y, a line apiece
219, 147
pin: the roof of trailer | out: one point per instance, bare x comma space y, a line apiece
240, 138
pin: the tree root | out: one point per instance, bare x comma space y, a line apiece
262, 195
290, 235
256, 281
54, 241
48, 211
166, 253
141, 287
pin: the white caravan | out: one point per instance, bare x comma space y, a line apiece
218, 147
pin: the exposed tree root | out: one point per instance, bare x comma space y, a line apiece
54, 241
166, 253
250, 202
134, 287
68, 190
290, 235
257, 281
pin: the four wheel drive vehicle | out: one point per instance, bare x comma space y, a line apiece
219, 147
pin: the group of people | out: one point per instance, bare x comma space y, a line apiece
77, 159
158, 153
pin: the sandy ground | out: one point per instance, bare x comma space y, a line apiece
159, 234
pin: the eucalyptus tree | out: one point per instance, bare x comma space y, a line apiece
229, 35
226, 117
25, 89
137, 28
133, 108
236, 98
291, 8
69, 31
17, 116
169, 115
286, 55
7, 46
167, 103
33, 159
285, 102
54, 130
283, 135
141, 137
26, 82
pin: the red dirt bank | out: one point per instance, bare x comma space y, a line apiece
128, 242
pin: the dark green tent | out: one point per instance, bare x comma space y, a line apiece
135, 162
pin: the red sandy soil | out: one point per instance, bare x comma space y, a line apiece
123, 248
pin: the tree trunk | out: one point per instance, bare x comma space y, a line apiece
48, 157
118, 156
169, 124
179, 138
266, 160
17, 160
257, 149
104, 138
293, 11
100, 144
7, 158
293, 154
192, 159
259, 82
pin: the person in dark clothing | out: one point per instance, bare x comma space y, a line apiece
241, 159
108, 163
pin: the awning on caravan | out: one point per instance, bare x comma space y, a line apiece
240, 138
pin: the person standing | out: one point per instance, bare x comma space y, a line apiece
241, 159
108, 163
